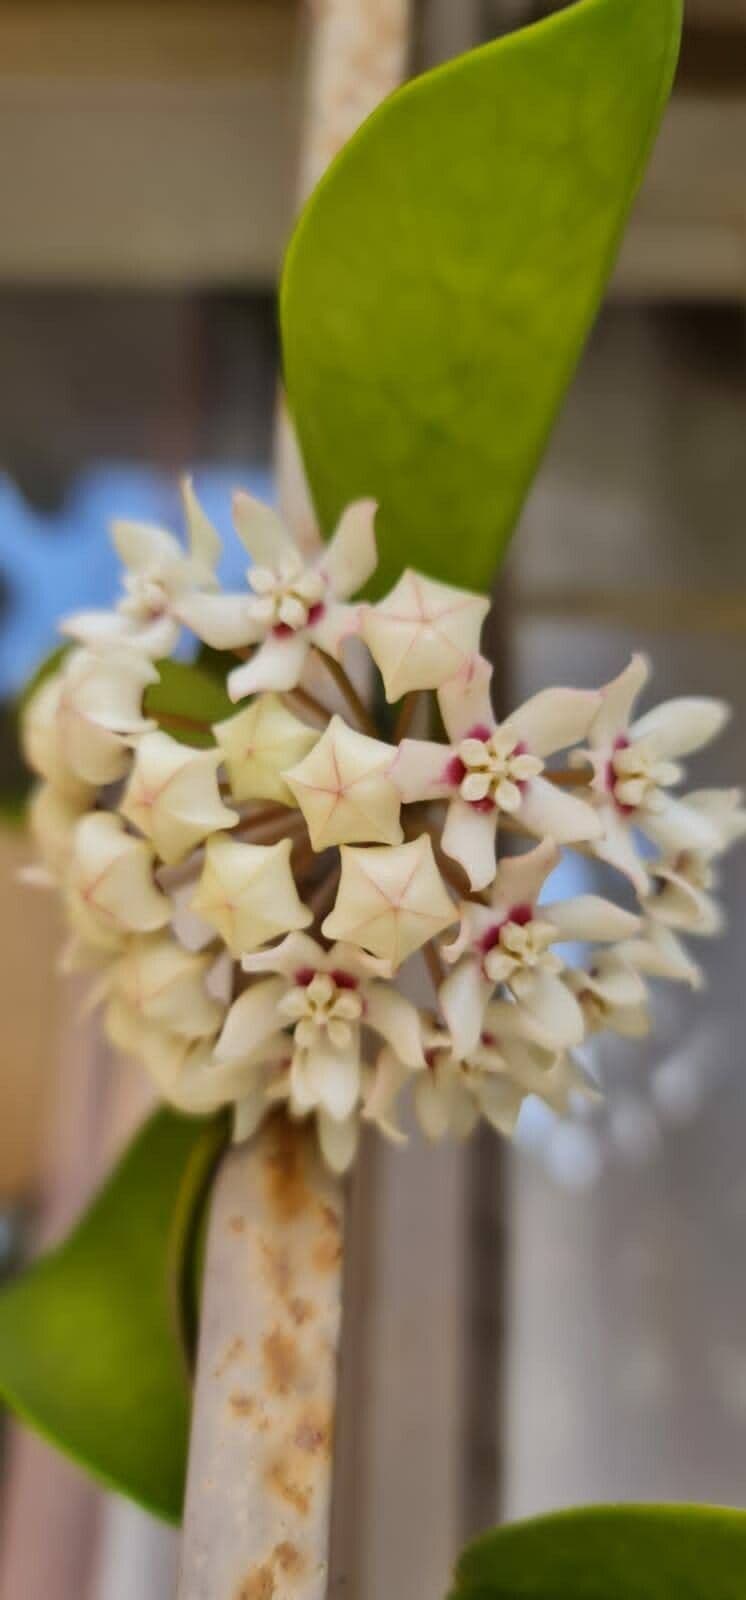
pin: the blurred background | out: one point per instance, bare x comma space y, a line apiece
587, 1286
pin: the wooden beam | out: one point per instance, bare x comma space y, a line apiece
148, 40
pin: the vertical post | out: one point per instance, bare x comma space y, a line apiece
258, 1497
485, 1241
258, 1506
358, 52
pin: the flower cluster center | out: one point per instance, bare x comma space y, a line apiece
521, 946
145, 596
638, 774
495, 768
289, 596
322, 1005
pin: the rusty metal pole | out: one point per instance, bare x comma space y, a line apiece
259, 1492
258, 1502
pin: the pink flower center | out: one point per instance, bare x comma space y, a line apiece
620, 743
454, 771
283, 630
344, 980
521, 914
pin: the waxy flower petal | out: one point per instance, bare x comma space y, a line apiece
173, 796
681, 895
159, 574
295, 603
345, 790
679, 727
496, 768
53, 816
78, 727
248, 893
259, 744
390, 901
509, 941
338, 1141
166, 984
634, 771
351, 557
422, 633
658, 953
111, 882
613, 996
724, 808
44, 749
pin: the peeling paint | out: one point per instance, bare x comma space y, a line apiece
258, 1585
259, 1492
281, 1367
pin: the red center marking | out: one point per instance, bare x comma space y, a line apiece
612, 778
343, 980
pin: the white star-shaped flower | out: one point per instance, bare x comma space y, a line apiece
635, 764
247, 892
612, 996
53, 817
504, 1068
422, 633
173, 796
111, 888
345, 791
390, 901
492, 767
166, 985
326, 998
79, 725
657, 952
724, 808
186, 1072
509, 942
159, 574
258, 744
683, 884
292, 602
44, 748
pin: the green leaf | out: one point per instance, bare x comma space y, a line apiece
89, 1337
186, 701
610, 1553
444, 275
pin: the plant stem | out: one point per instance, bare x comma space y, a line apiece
434, 965
568, 777
320, 898
179, 720
406, 716
308, 701
271, 829
350, 695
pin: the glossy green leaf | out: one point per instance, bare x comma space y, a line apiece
444, 275
611, 1553
90, 1337
187, 700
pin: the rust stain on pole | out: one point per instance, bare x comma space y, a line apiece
260, 1470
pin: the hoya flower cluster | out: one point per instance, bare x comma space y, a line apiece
248, 892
